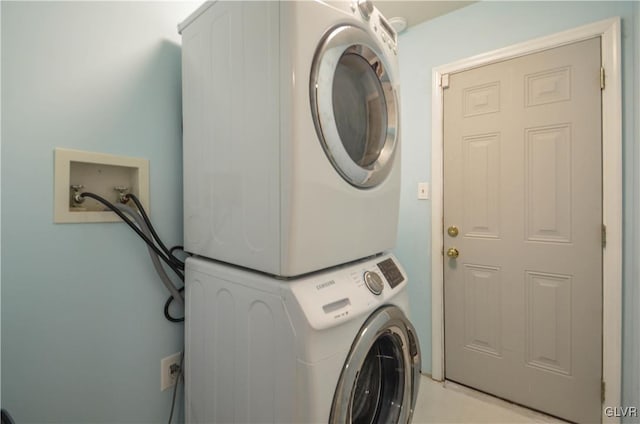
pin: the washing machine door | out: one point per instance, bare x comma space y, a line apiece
354, 105
379, 381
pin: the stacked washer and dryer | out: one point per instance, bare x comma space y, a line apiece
295, 309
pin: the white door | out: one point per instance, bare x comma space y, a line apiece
523, 189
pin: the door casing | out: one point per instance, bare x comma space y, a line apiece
609, 31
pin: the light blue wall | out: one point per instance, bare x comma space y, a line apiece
82, 325
476, 29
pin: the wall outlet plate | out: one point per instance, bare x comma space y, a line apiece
169, 371
99, 173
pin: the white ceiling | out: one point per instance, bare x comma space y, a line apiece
415, 11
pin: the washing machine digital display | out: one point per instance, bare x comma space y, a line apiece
391, 272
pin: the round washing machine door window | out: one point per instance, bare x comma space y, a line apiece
379, 388
354, 105
379, 381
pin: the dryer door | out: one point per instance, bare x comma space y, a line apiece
379, 381
354, 105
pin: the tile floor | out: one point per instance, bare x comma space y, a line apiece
451, 403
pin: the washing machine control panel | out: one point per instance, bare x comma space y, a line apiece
328, 298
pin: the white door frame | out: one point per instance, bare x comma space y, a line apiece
609, 30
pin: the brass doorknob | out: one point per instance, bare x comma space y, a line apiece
453, 252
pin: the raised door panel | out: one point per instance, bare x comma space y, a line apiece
482, 325
548, 191
548, 321
481, 185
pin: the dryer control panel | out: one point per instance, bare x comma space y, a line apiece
377, 22
343, 293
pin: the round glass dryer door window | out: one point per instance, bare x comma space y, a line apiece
354, 105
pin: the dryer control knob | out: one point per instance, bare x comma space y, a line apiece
366, 8
373, 282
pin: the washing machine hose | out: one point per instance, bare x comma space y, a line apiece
154, 257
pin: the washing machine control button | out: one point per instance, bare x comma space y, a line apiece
374, 282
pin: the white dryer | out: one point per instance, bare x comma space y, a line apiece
334, 346
291, 143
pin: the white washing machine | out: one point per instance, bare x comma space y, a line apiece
291, 143
334, 346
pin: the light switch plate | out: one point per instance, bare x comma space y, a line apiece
423, 191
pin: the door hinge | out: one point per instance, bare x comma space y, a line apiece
601, 78
604, 235
444, 81
603, 388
